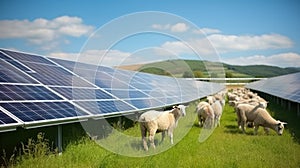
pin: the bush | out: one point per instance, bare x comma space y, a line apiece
37, 148
198, 74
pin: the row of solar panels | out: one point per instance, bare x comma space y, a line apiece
39, 91
286, 86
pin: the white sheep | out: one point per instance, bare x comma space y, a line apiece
205, 114
259, 116
155, 121
217, 107
210, 99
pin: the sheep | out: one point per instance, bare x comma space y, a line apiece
155, 121
260, 117
254, 102
205, 114
217, 107
210, 99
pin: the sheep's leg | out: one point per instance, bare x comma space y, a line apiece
266, 130
243, 123
151, 137
145, 143
199, 120
144, 135
171, 138
256, 129
163, 134
170, 132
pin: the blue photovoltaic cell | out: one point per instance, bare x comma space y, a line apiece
27, 57
26, 92
10, 74
125, 94
37, 111
104, 107
61, 80
145, 103
48, 70
14, 62
82, 93
5, 119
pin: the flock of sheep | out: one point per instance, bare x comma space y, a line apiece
249, 108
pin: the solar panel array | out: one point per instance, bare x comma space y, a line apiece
286, 86
39, 91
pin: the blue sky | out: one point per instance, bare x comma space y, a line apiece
241, 32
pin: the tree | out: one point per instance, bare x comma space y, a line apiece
198, 74
229, 75
187, 74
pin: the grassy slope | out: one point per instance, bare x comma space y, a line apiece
178, 67
226, 147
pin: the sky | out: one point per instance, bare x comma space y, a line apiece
119, 32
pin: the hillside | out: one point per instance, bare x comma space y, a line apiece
180, 68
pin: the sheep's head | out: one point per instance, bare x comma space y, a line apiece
263, 104
181, 109
280, 127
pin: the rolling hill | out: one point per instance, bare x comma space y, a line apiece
184, 68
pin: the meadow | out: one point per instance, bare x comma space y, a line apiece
226, 147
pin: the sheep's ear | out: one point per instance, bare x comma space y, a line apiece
284, 123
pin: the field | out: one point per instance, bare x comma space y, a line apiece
226, 147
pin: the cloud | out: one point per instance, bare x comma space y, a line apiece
179, 27
206, 31
176, 28
283, 60
44, 32
98, 57
218, 43
161, 27
232, 43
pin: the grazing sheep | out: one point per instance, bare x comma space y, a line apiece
205, 115
211, 99
217, 107
259, 116
155, 121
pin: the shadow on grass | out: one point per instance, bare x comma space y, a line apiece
232, 129
138, 145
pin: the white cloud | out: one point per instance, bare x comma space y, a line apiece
177, 47
42, 31
206, 31
282, 60
231, 43
176, 28
98, 57
179, 27
161, 27
217, 43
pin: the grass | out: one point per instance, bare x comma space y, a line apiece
226, 147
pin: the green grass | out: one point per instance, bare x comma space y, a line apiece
226, 147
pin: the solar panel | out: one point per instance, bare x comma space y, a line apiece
286, 86
36, 90
5, 119
26, 92
82, 93
36, 111
24, 57
105, 107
